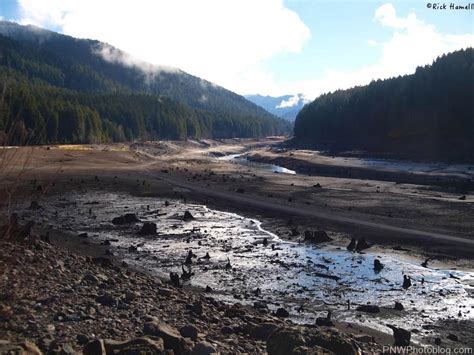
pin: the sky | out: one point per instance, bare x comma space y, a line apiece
267, 47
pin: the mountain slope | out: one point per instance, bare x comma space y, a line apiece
427, 115
43, 61
286, 106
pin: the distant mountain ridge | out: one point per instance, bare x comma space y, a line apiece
286, 106
52, 60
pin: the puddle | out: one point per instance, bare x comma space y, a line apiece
242, 160
287, 274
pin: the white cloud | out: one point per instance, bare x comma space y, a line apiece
292, 101
413, 43
372, 43
222, 41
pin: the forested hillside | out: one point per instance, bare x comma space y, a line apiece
427, 115
57, 88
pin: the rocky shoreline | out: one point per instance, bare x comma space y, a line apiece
57, 302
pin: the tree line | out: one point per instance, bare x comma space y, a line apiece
426, 115
61, 92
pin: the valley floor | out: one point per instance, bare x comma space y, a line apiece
424, 220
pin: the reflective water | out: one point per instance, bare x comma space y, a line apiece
281, 273
242, 160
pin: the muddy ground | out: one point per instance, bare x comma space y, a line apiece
416, 219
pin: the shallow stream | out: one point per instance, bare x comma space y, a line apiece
305, 279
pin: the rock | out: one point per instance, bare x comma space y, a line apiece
189, 331
284, 341
398, 306
91, 278
227, 330
23, 348
34, 205
196, 308
83, 235
332, 343
462, 198
352, 244
437, 341
171, 337
82, 339
316, 237
452, 337
378, 266
143, 345
402, 337
67, 349
261, 305
235, 311
148, 228
364, 338
103, 261
282, 313
187, 216
95, 347
204, 348
106, 300
164, 291
126, 219
368, 308
263, 330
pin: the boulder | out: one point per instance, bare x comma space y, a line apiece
204, 348
148, 228
332, 343
23, 348
189, 331
82, 339
263, 330
452, 337
106, 300
171, 337
284, 342
282, 313
126, 219
402, 336
143, 345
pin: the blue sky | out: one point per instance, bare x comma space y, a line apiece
263, 46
